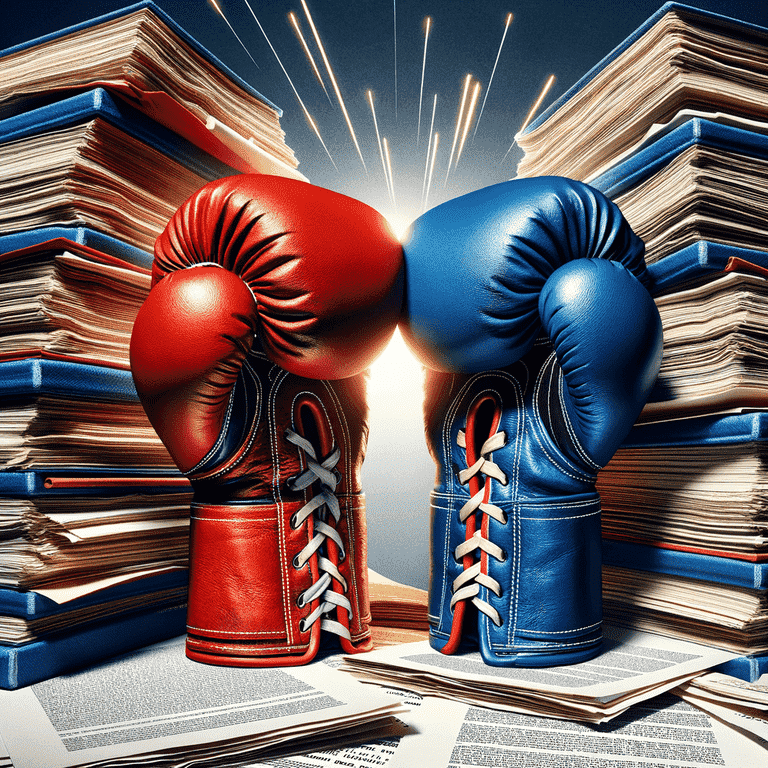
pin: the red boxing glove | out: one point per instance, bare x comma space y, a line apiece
257, 279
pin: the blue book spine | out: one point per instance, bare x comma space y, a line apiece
33, 605
80, 235
693, 565
747, 668
32, 663
702, 259
696, 131
115, 481
729, 429
33, 377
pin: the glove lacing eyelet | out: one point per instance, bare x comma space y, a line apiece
319, 507
466, 586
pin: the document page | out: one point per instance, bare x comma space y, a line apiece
156, 701
665, 732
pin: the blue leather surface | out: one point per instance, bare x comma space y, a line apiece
474, 266
562, 366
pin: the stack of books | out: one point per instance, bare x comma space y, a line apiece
105, 129
672, 125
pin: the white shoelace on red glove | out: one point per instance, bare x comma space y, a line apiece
319, 507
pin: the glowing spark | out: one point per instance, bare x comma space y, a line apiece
429, 146
381, 149
310, 57
303, 108
221, 13
532, 112
423, 68
389, 169
458, 124
468, 121
493, 72
431, 170
333, 82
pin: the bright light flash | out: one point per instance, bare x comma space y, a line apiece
221, 13
333, 81
307, 52
381, 149
532, 112
458, 124
468, 120
493, 72
423, 69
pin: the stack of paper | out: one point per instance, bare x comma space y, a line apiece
634, 667
683, 151
105, 129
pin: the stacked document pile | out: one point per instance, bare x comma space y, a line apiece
632, 668
676, 136
105, 129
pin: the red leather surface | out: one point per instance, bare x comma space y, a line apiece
187, 348
325, 269
244, 589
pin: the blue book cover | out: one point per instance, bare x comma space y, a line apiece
700, 262
99, 104
33, 377
747, 668
692, 565
715, 430
71, 237
94, 481
32, 605
697, 131
68, 651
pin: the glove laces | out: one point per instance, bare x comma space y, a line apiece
321, 507
467, 585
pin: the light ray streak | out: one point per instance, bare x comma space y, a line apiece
429, 146
493, 72
381, 148
308, 53
532, 112
221, 13
288, 77
394, 34
333, 82
423, 69
468, 121
389, 168
431, 171
317, 133
458, 124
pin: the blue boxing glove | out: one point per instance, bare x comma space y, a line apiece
526, 303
